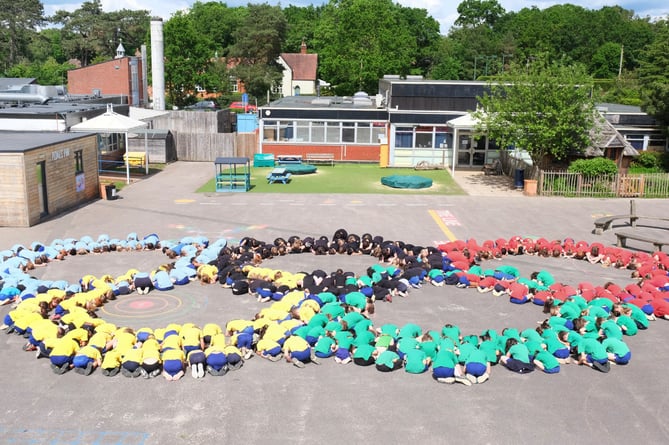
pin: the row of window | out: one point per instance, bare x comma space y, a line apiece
324, 132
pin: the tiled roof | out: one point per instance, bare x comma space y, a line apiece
304, 66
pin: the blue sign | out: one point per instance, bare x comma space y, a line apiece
245, 98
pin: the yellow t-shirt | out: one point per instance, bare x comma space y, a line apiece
295, 343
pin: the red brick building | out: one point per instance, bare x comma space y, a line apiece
122, 76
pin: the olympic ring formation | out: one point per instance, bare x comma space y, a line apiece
315, 316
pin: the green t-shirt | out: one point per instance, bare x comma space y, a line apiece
429, 347
547, 359
389, 329
410, 330
387, 358
615, 346
356, 299
489, 348
520, 352
593, 347
364, 337
628, 325
452, 332
335, 310
363, 351
324, 345
444, 359
414, 362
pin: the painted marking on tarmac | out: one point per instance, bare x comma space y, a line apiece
72, 437
386, 204
183, 201
447, 217
416, 204
442, 225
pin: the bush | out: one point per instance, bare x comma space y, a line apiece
593, 167
647, 159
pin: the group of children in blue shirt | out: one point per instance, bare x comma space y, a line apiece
312, 316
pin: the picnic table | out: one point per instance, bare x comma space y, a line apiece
278, 175
288, 159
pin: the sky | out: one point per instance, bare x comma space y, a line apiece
444, 11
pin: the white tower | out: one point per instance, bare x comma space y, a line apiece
157, 64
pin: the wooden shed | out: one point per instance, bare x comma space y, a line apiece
43, 174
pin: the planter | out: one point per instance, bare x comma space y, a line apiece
530, 187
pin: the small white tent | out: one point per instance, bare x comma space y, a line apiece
112, 122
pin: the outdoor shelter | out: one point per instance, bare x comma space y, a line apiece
233, 174
111, 122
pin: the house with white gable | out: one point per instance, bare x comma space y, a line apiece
299, 73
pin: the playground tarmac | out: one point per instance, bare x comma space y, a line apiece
278, 403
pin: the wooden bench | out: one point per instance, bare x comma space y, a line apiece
320, 158
623, 236
494, 168
278, 175
604, 223
288, 159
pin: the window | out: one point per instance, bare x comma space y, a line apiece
318, 132
108, 142
378, 132
78, 161
301, 131
404, 137
364, 133
286, 131
332, 133
424, 137
442, 138
234, 86
348, 132
269, 131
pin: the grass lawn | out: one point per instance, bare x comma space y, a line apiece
348, 178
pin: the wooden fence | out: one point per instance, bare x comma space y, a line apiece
646, 185
205, 136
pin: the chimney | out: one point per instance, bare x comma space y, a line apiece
157, 63
303, 47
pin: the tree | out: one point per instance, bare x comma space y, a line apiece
19, 20
654, 75
257, 47
544, 108
605, 62
188, 55
89, 33
476, 13
218, 23
359, 41
301, 26
82, 31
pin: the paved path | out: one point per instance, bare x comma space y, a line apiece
277, 403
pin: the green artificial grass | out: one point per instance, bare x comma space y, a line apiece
348, 178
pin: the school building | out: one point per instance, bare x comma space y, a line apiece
410, 121
404, 124
45, 173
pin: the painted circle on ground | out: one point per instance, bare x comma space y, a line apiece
143, 306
